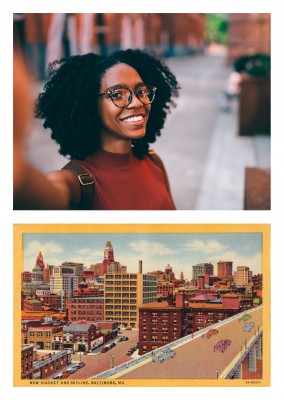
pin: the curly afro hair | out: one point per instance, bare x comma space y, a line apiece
69, 103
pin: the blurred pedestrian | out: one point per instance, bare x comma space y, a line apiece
35, 32
61, 37
104, 112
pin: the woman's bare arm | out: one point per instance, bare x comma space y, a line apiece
58, 190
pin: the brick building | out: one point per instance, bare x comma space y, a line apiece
41, 337
51, 300
26, 276
164, 289
89, 309
27, 361
161, 323
79, 336
224, 268
208, 310
48, 365
248, 34
48, 316
88, 290
32, 305
168, 34
25, 325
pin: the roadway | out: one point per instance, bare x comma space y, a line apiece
196, 359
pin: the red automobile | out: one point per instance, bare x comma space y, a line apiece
210, 333
222, 345
65, 374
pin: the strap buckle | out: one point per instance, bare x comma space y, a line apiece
84, 181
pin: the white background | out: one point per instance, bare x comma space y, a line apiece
8, 217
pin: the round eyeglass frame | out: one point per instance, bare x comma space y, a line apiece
109, 92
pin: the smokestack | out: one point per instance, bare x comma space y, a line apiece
140, 266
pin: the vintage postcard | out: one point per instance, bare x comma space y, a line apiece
142, 305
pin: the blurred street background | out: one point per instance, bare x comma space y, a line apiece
216, 143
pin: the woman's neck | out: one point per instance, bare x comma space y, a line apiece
116, 146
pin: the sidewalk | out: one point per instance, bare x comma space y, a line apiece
223, 182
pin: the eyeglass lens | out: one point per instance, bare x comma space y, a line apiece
121, 96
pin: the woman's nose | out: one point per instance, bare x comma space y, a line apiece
135, 102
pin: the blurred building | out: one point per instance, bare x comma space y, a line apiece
47, 37
248, 34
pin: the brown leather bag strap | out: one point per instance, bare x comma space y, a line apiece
156, 159
87, 185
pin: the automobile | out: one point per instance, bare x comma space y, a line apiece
245, 318
120, 339
136, 346
111, 345
81, 364
222, 345
161, 357
65, 374
248, 326
210, 333
124, 338
128, 329
72, 369
57, 376
105, 349
130, 352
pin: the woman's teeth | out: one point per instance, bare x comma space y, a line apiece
133, 119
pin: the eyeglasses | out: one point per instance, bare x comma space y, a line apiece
122, 96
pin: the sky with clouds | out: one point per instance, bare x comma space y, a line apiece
156, 250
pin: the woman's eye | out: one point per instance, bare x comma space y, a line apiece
143, 92
117, 95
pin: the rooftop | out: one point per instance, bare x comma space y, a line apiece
156, 304
203, 297
80, 327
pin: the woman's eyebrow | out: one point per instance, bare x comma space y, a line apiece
124, 85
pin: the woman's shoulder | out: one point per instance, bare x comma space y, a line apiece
155, 158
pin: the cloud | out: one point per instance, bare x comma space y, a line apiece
87, 252
207, 247
49, 250
153, 248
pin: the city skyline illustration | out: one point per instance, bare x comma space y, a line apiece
180, 250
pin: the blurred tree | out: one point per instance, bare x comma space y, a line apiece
217, 28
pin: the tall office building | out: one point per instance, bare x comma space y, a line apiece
78, 269
125, 293
39, 261
202, 269
224, 268
63, 279
108, 256
37, 275
242, 276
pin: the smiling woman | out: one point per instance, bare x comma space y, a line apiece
104, 112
